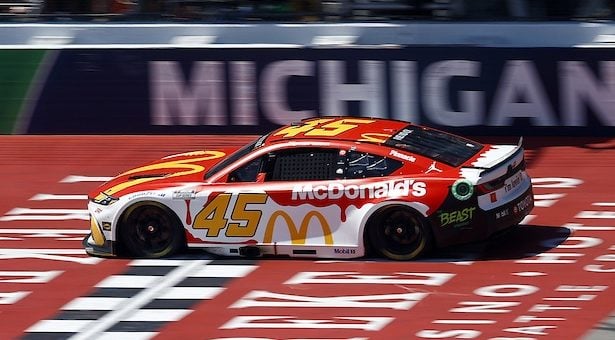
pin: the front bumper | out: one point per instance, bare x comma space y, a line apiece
107, 249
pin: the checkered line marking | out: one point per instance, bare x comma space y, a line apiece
139, 302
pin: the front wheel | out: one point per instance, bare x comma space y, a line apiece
151, 231
399, 233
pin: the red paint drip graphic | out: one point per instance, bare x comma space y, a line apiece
356, 193
188, 216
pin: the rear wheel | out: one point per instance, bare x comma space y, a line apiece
399, 233
151, 231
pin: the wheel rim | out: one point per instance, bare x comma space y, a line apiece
153, 231
401, 232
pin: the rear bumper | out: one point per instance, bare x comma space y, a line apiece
510, 214
456, 224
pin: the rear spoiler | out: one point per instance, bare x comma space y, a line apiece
498, 161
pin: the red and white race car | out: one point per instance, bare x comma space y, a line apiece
328, 187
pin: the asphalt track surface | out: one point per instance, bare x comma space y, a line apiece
552, 278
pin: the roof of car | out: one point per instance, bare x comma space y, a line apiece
362, 129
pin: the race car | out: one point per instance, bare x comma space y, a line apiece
327, 187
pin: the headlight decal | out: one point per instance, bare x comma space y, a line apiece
104, 199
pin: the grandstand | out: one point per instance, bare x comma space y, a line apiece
304, 10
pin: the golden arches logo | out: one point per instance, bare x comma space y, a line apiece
298, 236
185, 164
374, 137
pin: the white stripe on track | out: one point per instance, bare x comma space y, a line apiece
139, 300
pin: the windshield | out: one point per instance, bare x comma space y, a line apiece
246, 149
437, 145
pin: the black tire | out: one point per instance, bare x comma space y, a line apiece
399, 233
151, 231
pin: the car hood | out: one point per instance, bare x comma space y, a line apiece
167, 171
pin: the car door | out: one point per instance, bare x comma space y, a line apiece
289, 176
312, 189
295, 196
260, 201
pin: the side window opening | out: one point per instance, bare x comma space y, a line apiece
314, 164
379, 165
359, 159
363, 165
247, 173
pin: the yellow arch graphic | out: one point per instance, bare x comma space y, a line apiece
177, 164
374, 137
298, 236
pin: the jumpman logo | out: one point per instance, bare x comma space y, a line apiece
432, 167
